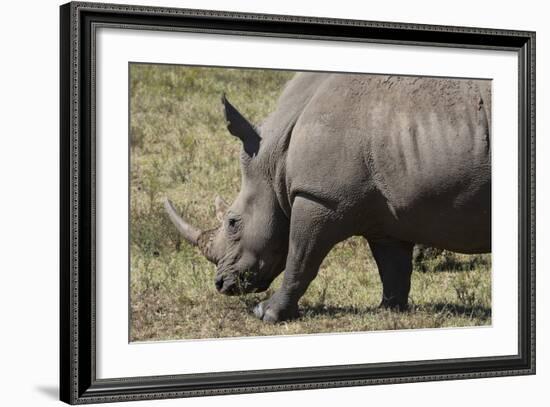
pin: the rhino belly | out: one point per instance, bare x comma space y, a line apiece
448, 222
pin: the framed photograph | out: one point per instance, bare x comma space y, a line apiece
255, 203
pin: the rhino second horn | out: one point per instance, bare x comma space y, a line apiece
189, 232
221, 207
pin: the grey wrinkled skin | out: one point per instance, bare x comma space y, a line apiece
398, 160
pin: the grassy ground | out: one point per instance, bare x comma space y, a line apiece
181, 149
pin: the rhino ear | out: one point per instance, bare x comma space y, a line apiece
221, 207
240, 127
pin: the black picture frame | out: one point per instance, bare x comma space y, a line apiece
78, 382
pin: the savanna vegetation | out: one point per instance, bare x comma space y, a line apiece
180, 148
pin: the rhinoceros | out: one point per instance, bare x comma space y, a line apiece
398, 160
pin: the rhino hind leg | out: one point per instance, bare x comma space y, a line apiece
394, 261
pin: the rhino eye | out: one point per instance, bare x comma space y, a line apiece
232, 225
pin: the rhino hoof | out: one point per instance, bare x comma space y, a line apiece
259, 310
263, 312
267, 314
394, 306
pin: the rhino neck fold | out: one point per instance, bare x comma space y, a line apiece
275, 154
276, 174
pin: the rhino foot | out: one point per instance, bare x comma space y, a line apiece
400, 306
271, 311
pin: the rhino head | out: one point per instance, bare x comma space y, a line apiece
249, 247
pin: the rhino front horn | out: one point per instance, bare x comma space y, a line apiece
189, 232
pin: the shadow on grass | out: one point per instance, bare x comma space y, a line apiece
460, 310
455, 310
334, 311
318, 310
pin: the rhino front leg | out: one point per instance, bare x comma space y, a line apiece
394, 261
311, 238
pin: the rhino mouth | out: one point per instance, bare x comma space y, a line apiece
229, 285
225, 285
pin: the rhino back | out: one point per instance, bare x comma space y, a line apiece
408, 157
295, 96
